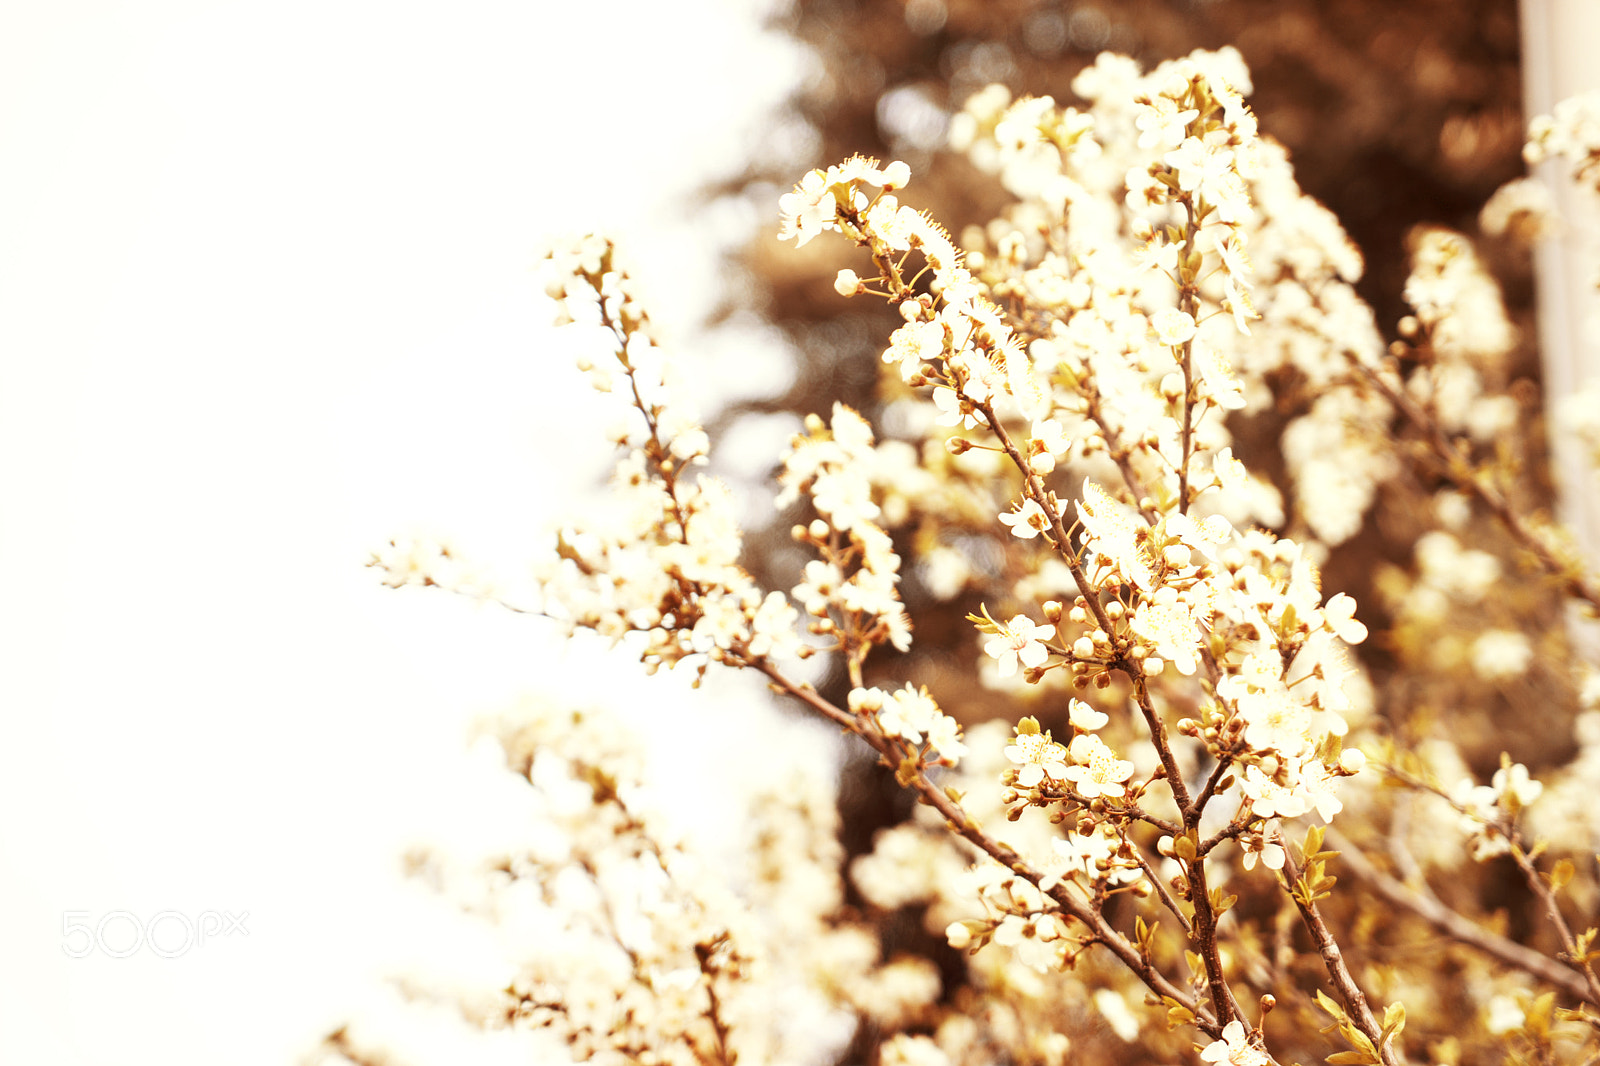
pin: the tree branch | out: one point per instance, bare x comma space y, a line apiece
1425, 905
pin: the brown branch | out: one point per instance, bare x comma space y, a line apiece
1034, 487
1119, 454
963, 826
1355, 1001
1425, 905
1130, 811
1189, 301
1547, 896
1576, 581
1204, 935
1161, 890
1217, 774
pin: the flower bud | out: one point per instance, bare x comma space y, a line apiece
1351, 760
1052, 611
1083, 648
896, 175
958, 445
847, 284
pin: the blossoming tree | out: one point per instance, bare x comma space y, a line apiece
1174, 829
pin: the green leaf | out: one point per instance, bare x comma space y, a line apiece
1313, 843
1538, 1016
1143, 933
1561, 876
1394, 1019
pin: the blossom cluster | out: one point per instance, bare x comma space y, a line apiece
1169, 715
1572, 131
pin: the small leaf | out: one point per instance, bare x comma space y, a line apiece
1394, 1019
1539, 1013
1352, 1058
1177, 1013
1561, 876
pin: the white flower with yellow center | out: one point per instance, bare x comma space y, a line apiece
1234, 1049
1019, 641
1098, 771
1028, 522
913, 344
1038, 757
1172, 327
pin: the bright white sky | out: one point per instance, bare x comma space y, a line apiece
266, 299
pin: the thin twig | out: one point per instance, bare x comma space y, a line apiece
1547, 896
962, 824
1458, 469
1355, 1001
1425, 905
